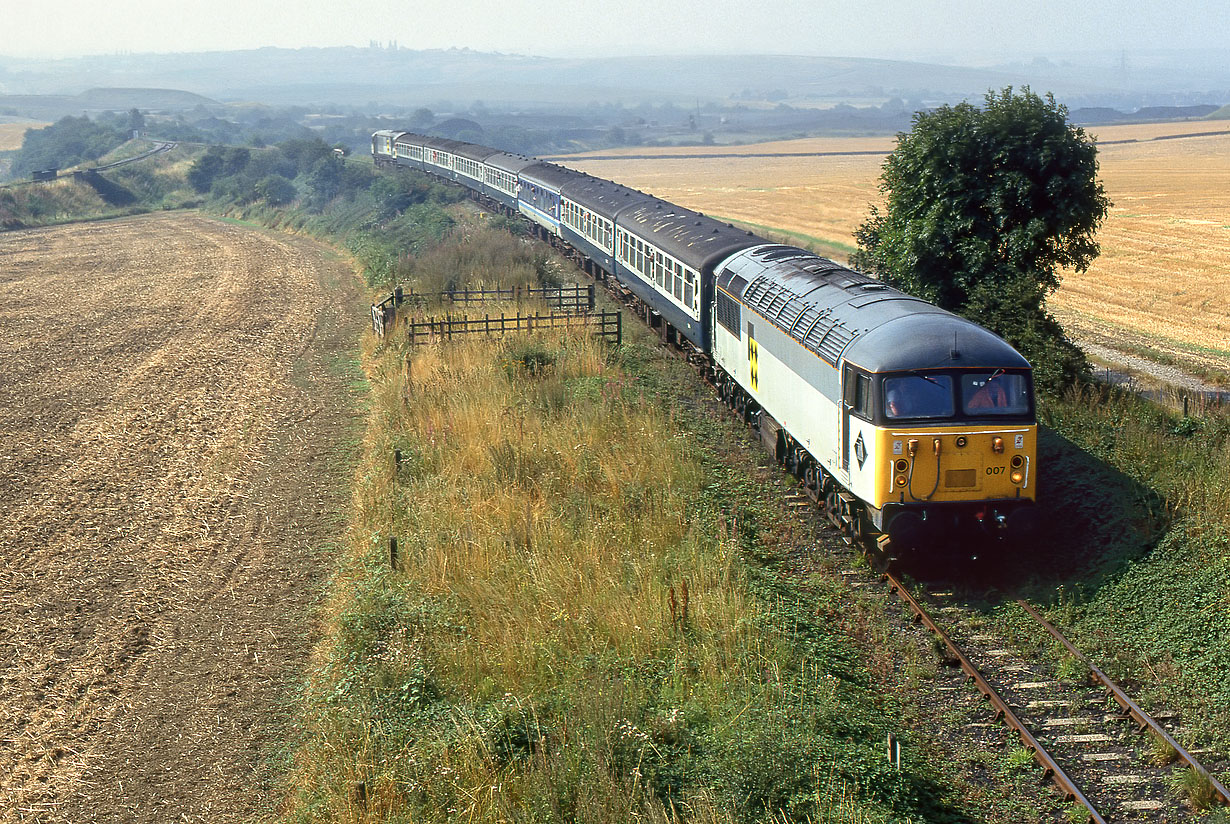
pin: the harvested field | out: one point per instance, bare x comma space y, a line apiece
170, 413
11, 134
1164, 272
822, 197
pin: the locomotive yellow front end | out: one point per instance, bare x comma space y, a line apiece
957, 464
957, 449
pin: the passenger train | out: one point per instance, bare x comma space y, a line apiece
903, 419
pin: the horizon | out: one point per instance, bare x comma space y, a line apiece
952, 32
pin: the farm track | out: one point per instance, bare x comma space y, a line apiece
170, 413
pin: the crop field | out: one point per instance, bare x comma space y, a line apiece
168, 404
11, 134
1164, 272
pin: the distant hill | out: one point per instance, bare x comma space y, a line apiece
1102, 116
377, 77
1221, 114
92, 101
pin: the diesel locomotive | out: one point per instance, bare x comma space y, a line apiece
901, 418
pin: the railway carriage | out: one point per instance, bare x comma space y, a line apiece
408, 150
539, 195
666, 255
502, 173
589, 207
923, 416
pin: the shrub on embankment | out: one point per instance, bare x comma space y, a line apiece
1143, 558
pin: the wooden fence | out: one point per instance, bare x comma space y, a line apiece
608, 325
570, 298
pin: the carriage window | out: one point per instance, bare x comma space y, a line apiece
918, 396
994, 393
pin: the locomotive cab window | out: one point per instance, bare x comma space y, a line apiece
858, 393
918, 395
994, 393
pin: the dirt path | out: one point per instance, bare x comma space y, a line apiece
1109, 348
174, 409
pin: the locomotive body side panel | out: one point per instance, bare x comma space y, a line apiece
800, 391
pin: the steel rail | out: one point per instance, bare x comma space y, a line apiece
1142, 718
1002, 710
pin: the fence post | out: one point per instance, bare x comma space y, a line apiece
590, 289
619, 328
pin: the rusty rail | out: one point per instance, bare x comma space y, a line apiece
1138, 715
1002, 710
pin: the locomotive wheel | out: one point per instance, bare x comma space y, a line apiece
832, 508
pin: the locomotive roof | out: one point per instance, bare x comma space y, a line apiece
603, 197
690, 237
837, 312
390, 133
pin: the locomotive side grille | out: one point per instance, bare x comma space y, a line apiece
790, 313
960, 478
834, 342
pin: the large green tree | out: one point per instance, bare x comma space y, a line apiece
984, 206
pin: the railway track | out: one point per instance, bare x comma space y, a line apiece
164, 146
1099, 747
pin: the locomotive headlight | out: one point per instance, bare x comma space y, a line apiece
1017, 476
961, 441
901, 465
902, 480
997, 445
1017, 461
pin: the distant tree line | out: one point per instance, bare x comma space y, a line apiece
68, 142
306, 171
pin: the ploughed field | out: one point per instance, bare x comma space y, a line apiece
1164, 272
170, 407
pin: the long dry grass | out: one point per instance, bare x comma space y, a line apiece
568, 625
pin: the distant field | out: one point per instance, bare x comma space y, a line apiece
12, 133
1164, 273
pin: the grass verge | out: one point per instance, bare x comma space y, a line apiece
583, 622
1141, 563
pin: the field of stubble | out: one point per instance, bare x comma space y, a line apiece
170, 407
1164, 272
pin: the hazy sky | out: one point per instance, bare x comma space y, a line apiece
866, 28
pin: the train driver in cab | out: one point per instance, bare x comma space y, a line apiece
990, 396
918, 396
